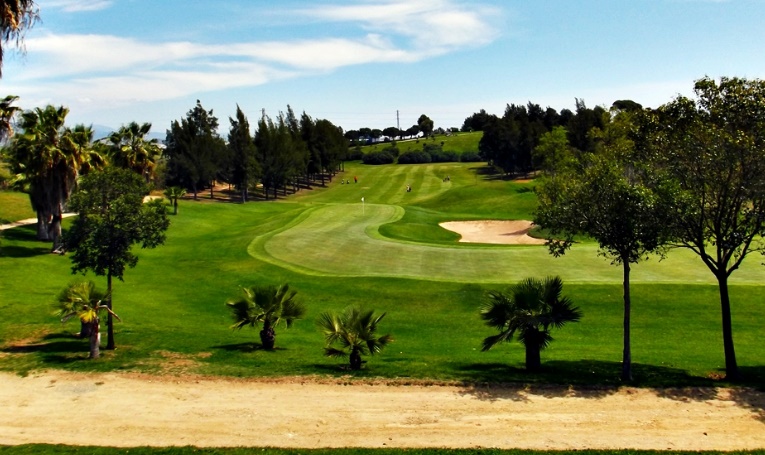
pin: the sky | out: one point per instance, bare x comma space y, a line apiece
373, 63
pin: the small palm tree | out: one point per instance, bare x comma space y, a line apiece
354, 329
174, 193
530, 308
83, 300
268, 305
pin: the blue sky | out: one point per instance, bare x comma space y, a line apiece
357, 63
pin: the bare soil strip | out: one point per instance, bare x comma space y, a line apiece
131, 410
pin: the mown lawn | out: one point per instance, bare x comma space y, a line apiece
386, 253
14, 206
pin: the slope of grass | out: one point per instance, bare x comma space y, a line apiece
332, 248
14, 206
459, 143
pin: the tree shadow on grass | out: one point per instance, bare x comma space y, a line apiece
247, 347
27, 234
53, 349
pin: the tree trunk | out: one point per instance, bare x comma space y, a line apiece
54, 229
43, 221
267, 336
175, 206
109, 318
95, 339
355, 358
533, 356
627, 353
731, 366
86, 329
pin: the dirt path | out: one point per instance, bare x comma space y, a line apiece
130, 410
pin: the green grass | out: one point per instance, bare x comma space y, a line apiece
387, 253
14, 206
459, 143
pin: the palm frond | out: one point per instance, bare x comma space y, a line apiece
491, 341
241, 313
332, 352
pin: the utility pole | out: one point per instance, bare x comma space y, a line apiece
398, 125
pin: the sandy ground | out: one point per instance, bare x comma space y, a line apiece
494, 231
131, 410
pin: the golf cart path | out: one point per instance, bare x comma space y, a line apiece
124, 410
3, 227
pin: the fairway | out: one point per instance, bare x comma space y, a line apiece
343, 239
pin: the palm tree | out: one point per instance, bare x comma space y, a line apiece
530, 308
354, 329
7, 112
268, 305
35, 154
83, 300
47, 157
130, 149
16, 17
174, 193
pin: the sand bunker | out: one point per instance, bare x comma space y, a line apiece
513, 232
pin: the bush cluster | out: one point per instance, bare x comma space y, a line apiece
381, 157
434, 153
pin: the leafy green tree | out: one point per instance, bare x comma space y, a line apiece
580, 124
477, 121
193, 148
553, 150
392, 132
83, 300
130, 149
274, 145
531, 309
613, 198
242, 147
174, 193
16, 17
267, 305
111, 218
300, 154
713, 147
355, 330
425, 124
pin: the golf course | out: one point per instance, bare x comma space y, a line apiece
373, 244
386, 253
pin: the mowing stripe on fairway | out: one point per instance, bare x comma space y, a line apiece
342, 240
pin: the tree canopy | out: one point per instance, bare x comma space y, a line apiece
111, 218
713, 147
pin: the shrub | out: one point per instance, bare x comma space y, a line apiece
355, 154
414, 157
445, 157
382, 157
470, 157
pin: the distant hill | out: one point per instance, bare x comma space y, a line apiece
458, 142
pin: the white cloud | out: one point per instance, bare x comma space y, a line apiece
434, 25
76, 6
81, 70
